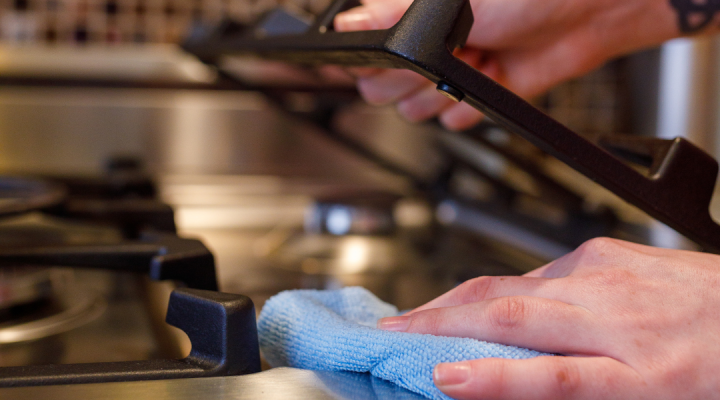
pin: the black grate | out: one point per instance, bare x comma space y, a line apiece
125, 21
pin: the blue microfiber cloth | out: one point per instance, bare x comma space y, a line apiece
335, 331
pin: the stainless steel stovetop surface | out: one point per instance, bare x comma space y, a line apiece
278, 383
240, 177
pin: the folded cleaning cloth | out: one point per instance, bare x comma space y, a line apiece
335, 331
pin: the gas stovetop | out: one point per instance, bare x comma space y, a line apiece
116, 225
131, 257
87, 267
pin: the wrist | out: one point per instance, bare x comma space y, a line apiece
634, 25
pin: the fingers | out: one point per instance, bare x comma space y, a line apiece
360, 72
536, 378
463, 116
531, 71
390, 86
334, 74
418, 98
423, 104
460, 116
540, 324
426, 102
372, 15
490, 287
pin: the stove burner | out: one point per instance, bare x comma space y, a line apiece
38, 229
369, 213
220, 326
69, 311
38, 302
112, 223
21, 195
141, 236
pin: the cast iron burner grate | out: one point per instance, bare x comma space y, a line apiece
73, 212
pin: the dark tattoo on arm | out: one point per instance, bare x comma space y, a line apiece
695, 15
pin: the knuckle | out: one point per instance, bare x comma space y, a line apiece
567, 379
598, 249
598, 246
429, 322
476, 289
508, 313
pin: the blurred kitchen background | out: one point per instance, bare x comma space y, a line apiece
308, 187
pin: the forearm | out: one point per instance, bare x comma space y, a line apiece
634, 25
530, 46
610, 27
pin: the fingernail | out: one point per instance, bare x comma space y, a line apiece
395, 324
451, 374
354, 20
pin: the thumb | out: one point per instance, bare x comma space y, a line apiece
372, 15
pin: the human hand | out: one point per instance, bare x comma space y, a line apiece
526, 45
635, 322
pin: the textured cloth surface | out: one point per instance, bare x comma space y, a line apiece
335, 331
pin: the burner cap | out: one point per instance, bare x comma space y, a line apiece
21, 195
361, 213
